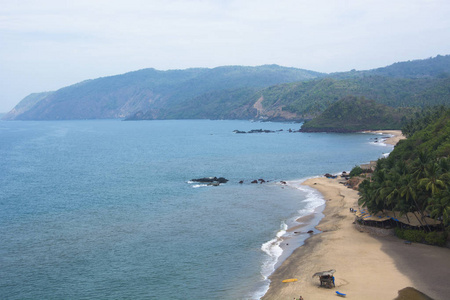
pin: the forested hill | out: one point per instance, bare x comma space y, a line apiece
433, 67
308, 99
265, 93
149, 91
421, 68
415, 177
351, 114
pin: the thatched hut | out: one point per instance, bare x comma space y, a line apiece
390, 219
326, 278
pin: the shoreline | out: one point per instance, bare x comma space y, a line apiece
296, 232
367, 267
355, 256
394, 135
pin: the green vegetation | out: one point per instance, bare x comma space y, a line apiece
433, 67
416, 175
422, 119
310, 98
230, 104
230, 92
26, 104
356, 171
420, 236
154, 94
355, 114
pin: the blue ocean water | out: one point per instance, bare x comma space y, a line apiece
105, 208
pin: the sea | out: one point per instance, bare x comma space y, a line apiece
107, 209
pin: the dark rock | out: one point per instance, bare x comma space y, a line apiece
241, 182
283, 182
210, 179
261, 180
255, 131
310, 231
255, 181
260, 131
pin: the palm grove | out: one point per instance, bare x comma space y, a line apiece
416, 175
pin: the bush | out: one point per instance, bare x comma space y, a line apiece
419, 236
436, 238
416, 236
356, 171
399, 233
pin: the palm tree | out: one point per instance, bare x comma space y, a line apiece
439, 207
434, 180
415, 198
420, 164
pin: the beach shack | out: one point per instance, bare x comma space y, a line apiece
390, 219
326, 278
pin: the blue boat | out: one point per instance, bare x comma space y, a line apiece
340, 294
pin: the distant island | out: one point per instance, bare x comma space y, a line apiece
386, 96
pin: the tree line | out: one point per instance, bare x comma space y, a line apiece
415, 177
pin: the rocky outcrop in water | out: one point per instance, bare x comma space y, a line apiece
256, 131
210, 180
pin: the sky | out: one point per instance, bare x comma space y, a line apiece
48, 44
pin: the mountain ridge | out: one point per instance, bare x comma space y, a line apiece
268, 92
150, 89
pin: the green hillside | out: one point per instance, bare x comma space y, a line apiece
267, 92
25, 105
312, 97
151, 92
416, 175
352, 114
420, 68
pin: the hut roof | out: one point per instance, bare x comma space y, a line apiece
411, 218
325, 273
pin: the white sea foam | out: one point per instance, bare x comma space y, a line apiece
273, 250
379, 143
313, 198
273, 247
196, 186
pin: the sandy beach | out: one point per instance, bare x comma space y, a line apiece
367, 266
395, 135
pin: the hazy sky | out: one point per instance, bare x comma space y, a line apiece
49, 44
